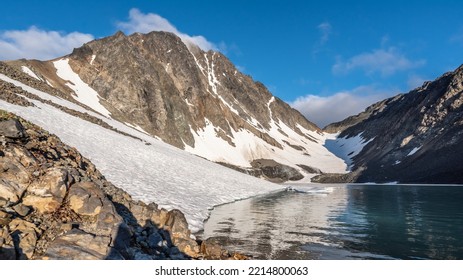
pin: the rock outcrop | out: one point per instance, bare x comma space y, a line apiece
275, 171
54, 204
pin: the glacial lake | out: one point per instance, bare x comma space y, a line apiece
344, 222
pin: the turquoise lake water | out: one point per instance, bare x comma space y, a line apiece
345, 222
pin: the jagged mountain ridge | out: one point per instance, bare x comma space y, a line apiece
414, 137
194, 100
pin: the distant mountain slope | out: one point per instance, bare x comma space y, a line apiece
412, 138
195, 100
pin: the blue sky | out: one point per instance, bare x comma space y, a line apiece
329, 59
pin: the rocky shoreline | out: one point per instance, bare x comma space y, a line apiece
54, 204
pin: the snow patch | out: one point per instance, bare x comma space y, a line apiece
29, 72
201, 68
92, 60
84, 93
412, 152
214, 82
270, 101
346, 147
188, 102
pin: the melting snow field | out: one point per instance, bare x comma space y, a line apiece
158, 173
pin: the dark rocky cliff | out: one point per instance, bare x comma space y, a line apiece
417, 137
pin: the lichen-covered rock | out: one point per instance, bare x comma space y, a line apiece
78, 245
47, 194
177, 225
9, 192
86, 199
14, 179
22, 155
21, 210
212, 249
25, 235
5, 218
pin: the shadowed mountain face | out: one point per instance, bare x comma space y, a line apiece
415, 137
195, 100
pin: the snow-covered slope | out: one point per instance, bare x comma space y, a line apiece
296, 149
149, 170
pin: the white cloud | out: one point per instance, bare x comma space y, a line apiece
144, 23
386, 61
39, 44
323, 110
325, 32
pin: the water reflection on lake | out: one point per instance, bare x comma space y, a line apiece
345, 222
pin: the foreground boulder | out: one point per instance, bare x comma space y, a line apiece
11, 129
